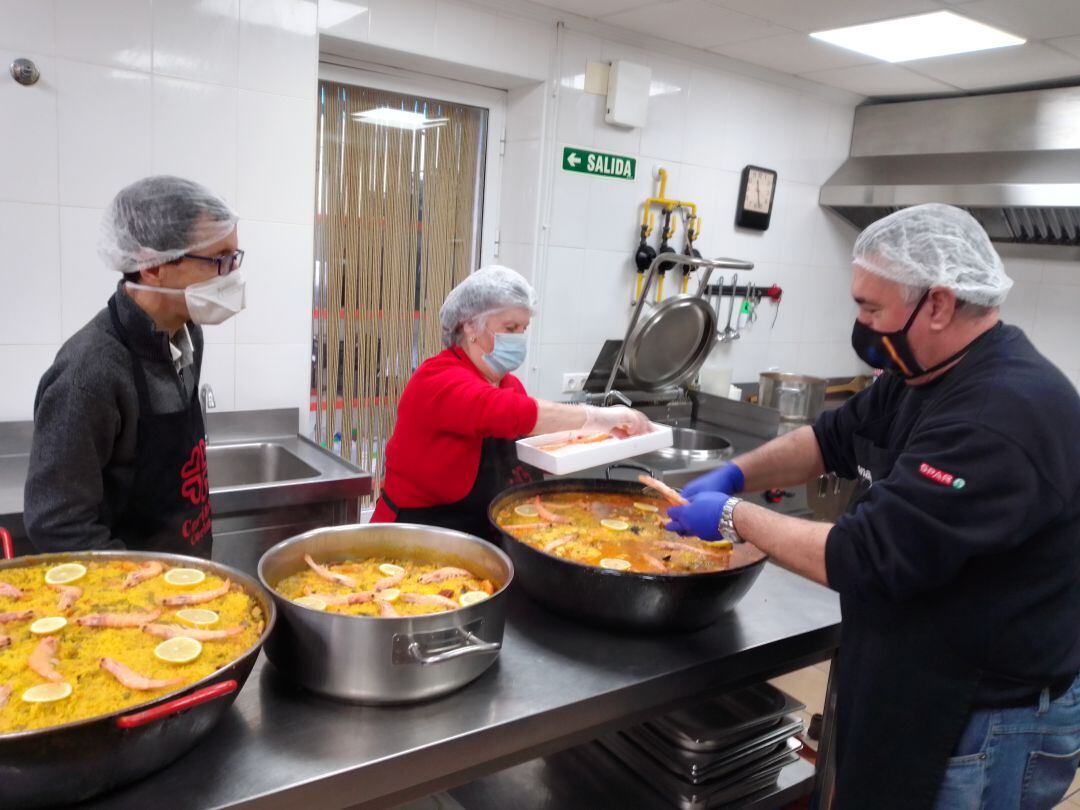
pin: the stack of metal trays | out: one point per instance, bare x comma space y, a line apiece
717, 753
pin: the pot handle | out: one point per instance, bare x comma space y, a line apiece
472, 645
628, 465
204, 695
7, 544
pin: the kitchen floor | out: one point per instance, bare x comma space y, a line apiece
808, 686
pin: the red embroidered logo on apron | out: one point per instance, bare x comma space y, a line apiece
941, 477
195, 486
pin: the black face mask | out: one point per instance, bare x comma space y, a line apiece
891, 351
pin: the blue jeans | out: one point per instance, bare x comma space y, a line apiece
1015, 759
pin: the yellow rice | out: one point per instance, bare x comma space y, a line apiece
95, 691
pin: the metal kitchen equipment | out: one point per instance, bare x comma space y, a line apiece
75, 761
371, 659
664, 348
798, 397
696, 445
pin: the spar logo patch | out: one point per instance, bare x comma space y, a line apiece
941, 477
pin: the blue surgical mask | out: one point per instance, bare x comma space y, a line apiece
508, 353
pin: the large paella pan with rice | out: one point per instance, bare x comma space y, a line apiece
112, 664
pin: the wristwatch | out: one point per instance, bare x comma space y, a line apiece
727, 521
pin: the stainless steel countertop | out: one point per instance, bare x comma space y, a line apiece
556, 684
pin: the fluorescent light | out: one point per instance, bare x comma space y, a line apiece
402, 119
938, 33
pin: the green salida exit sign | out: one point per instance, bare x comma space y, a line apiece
599, 164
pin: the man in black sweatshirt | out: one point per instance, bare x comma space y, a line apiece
118, 458
958, 563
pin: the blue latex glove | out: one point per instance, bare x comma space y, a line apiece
701, 518
728, 478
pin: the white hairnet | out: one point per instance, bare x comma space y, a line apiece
490, 288
935, 245
158, 219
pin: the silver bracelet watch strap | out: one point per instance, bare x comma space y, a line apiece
727, 521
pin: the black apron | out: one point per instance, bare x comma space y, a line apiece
499, 468
903, 694
168, 507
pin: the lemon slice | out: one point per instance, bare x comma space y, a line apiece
178, 650
313, 602
723, 545
197, 616
184, 577
47, 692
646, 507
472, 597
615, 563
62, 574
391, 570
615, 525
388, 595
50, 624
526, 510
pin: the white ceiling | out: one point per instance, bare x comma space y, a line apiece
773, 33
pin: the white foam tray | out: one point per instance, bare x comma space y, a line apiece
582, 456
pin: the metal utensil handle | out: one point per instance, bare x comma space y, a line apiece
196, 698
472, 646
673, 259
627, 465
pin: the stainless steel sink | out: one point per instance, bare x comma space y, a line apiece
696, 445
246, 465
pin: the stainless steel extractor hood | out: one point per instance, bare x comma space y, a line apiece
1011, 159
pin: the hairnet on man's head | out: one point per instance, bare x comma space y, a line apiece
490, 288
158, 219
935, 245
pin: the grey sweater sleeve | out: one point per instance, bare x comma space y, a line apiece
75, 432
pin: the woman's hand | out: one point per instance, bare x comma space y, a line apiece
617, 420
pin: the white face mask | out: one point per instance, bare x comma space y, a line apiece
208, 302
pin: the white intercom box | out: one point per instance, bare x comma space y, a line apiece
628, 94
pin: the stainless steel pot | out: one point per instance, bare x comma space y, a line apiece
796, 396
369, 659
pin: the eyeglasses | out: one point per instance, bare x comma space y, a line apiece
225, 264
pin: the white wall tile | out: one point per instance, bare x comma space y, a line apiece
197, 39
665, 129
1055, 330
27, 26
563, 306
278, 47
278, 269
219, 372
23, 367
554, 360
569, 217
105, 32
403, 25
615, 207
1061, 272
85, 281
104, 131
520, 191
1023, 270
708, 116
828, 359
273, 376
606, 287
195, 133
222, 333
458, 29
525, 112
1020, 307
518, 256
28, 170
29, 274
523, 47
276, 165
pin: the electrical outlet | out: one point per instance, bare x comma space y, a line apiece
572, 383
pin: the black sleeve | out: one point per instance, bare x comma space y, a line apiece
74, 435
834, 429
958, 491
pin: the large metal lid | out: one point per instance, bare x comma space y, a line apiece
670, 342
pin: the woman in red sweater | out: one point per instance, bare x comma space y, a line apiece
452, 450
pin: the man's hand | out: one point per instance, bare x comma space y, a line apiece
701, 517
728, 478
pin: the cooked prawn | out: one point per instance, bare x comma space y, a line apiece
16, 616
389, 582
132, 679
670, 495
117, 619
558, 541
430, 599
5, 693
145, 571
196, 598
441, 574
69, 595
43, 659
329, 575
342, 599
590, 439
654, 562
5, 641
386, 609
511, 527
174, 630
673, 545
10, 591
547, 514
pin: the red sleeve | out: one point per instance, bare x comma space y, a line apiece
461, 402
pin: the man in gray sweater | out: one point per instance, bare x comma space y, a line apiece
118, 458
